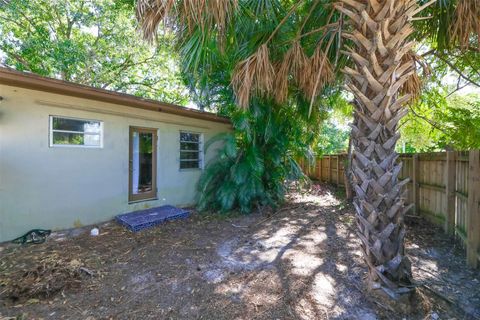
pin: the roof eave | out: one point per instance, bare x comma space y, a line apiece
31, 81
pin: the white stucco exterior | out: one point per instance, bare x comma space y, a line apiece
56, 188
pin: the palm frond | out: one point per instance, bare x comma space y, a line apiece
253, 75
414, 85
318, 74
191, 14
466, 24
150, 13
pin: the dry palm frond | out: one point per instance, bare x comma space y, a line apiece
281, 82
254, 74
466, 23
221, 11
294, 63
264, 71
242, 80
318, 74
192, 13
189, 13
298, 64
150, 13
414, 84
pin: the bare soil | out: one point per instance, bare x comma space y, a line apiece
301, 262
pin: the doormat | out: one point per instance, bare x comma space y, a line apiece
143, 219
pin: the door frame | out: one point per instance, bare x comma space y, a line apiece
152, 195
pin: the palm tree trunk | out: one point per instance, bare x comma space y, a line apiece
347, 171
380, 32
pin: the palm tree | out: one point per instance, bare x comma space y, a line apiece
291, 50
383, 64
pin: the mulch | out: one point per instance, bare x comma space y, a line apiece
299, 262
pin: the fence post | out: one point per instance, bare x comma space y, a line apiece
473, 212
338, 170
416, 185
330, 169
320, 169
450, 189
346, 175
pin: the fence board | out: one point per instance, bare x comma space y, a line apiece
439, 188
450, 177
473, 217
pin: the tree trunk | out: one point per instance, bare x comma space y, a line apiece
347, 171
380, 31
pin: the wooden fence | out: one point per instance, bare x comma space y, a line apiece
444, 187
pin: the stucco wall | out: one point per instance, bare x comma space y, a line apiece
56, 188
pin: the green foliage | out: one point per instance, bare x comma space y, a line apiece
334, 132
255, 161
437, 123
209, 55
436, 29
462, 123
443, 55
333, 139
89, 42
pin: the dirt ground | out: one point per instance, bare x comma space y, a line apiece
302, 262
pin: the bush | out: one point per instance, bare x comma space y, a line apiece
254, 161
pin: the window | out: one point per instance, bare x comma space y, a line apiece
190, 150
75, 132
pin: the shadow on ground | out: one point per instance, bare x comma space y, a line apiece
302, 262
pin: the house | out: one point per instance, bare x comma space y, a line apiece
73, 155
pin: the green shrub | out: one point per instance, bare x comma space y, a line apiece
255, 161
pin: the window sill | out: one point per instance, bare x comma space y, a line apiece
190, 169
74, 146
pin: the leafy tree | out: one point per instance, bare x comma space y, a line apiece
286, 49
437, 122
461, 122
334, 133
88, 42
449, 40
332, 139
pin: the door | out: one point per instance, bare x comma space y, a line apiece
142, 164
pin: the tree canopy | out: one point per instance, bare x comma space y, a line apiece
89, 42
437, 122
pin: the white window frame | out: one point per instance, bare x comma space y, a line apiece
200, 151
51, 131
